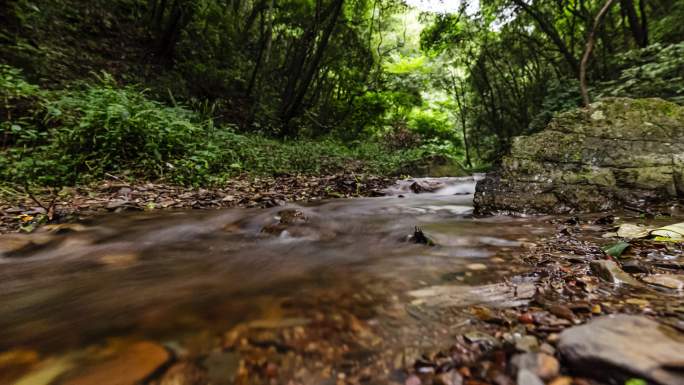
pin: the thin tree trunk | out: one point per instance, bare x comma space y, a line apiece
264, 31
635, 26
587, 51
552, 33
644, 20
313, 66
459, 93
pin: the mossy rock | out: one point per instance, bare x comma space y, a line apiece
618, 151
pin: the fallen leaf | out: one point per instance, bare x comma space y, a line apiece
616, 250
674, 231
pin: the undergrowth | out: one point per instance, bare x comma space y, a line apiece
90, 131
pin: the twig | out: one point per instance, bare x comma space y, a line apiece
49, 209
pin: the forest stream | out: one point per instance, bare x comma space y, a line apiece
317, 292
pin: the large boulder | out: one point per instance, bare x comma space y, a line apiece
617, 152
624, 346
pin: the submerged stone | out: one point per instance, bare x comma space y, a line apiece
624, 347
618, 152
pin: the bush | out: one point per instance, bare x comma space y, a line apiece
654, 71
77, 135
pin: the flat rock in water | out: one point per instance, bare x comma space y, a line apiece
670, 281
623, 347
499, 295
130, 366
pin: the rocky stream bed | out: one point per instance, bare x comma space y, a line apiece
408, 289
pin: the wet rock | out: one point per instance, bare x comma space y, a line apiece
525, 377
121, 205
451, 377
634, 266
412, 380
670, 281
222, 367
592, 159
418, 188
564, 380
420, 237
128, 366
611, 272
184, 373
476, 266
563, 312
541, 365
46, 372
527, 344
497, 295
14, 363
624, 346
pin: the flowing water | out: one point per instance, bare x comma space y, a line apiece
169, 276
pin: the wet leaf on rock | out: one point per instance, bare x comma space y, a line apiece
616, 249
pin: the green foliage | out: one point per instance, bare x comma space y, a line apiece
230, 77
654, 71
77, 135
406, 65
433, 124
636, 381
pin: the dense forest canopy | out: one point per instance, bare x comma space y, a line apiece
455, 79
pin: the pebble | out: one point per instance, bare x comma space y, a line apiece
222, 367
563, 380
525, 377
541, 365
451, 377
184, 373
476, 266
527, 344
412, 380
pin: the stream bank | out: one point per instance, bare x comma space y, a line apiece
23, 212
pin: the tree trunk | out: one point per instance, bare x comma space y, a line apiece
311, 69
589, 47
638, 30
265, 31
459, 93
552, 33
